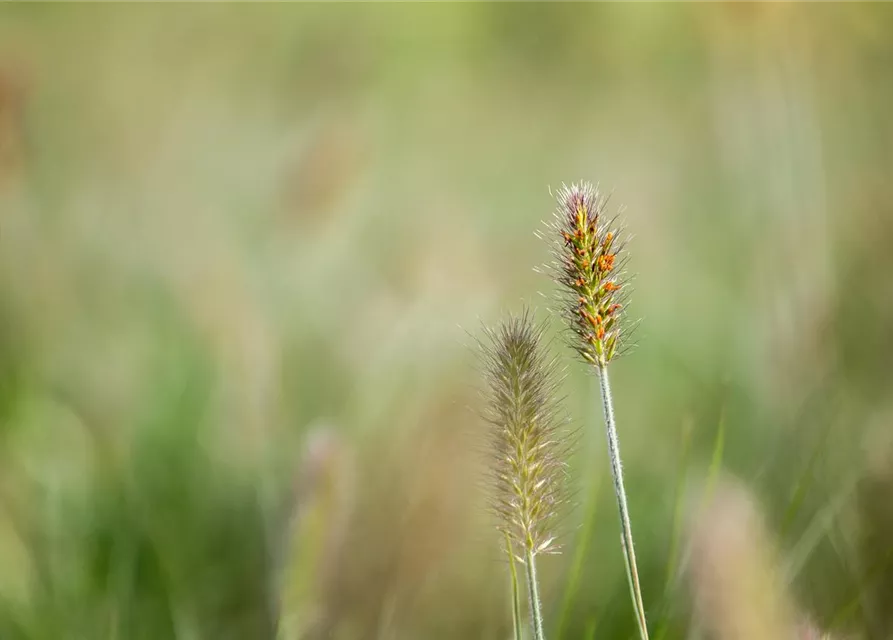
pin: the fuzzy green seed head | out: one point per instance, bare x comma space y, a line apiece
528, 444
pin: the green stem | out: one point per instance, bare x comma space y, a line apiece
516, 592
626, 538
536, 615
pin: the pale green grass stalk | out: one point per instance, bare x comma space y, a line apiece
533, 595
516, 591
629, 554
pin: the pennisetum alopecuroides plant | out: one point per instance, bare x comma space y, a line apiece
589, 268
528, 447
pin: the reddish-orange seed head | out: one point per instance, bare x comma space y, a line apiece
588, 267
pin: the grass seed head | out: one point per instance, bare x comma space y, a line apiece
528, 444
589, 265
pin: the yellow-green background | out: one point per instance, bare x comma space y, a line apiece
242, 248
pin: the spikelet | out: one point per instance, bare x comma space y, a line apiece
529, 442
589, 267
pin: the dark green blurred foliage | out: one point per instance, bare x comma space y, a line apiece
166, 543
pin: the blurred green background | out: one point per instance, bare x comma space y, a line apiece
242, 248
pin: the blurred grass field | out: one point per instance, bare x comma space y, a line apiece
241, 250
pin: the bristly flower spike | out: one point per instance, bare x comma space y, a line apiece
589, 266
528, 443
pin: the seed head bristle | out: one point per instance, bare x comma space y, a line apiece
589, 267
528, 443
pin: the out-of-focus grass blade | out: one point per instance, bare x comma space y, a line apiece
516, 595
710, 485
801, 489
817, 530
846, 611
677, 559
573, 583
715, 458
591, 624
673, 560
676, 535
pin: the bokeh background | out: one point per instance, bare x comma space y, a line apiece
244, 249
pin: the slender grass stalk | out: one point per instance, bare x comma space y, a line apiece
626, 538
589, 266
536, 614
516, 591
528, 447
